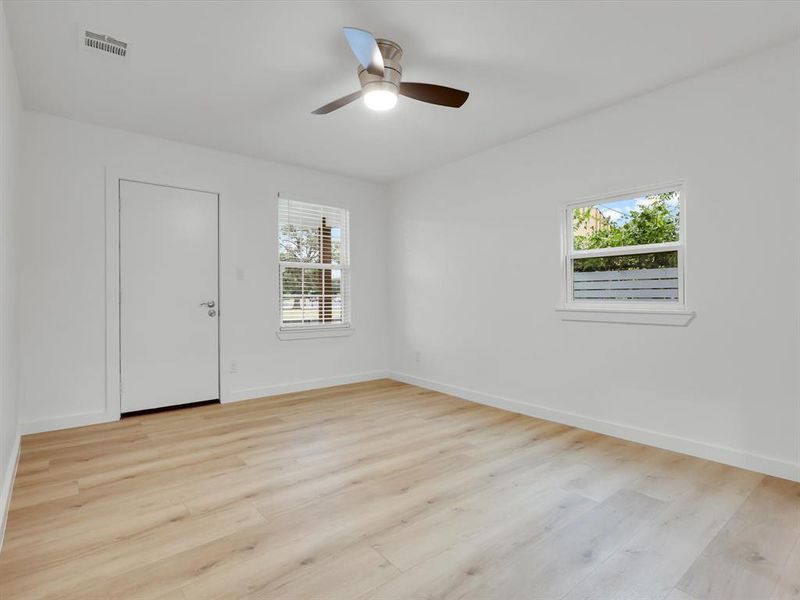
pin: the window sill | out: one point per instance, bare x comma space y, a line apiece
306, 334
636, 316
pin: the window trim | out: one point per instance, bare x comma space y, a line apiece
314, 330
306, 333
657, 313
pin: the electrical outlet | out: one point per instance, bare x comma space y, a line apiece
239, 274
234, 367
417, 356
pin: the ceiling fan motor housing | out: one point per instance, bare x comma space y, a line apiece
381, 88
392, 71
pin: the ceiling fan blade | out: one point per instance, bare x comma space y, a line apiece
339, 103
434, 94
364, 46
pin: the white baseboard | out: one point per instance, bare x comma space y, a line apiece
234, 396
717, 453
8, 486
302, 386
67, 422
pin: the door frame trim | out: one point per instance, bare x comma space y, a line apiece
113, 176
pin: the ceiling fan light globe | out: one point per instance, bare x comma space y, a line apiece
380, 100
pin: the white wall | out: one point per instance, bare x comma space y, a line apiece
10, 115
476, 273
62, 277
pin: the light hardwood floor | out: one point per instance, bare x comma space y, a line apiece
387, 491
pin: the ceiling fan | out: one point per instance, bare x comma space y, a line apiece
380, 75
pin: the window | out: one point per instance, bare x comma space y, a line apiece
626, 252
313, 247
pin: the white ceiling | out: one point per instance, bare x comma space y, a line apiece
245, 76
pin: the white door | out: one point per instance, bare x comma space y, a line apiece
169, 348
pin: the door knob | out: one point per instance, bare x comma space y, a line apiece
209, 304
212, 313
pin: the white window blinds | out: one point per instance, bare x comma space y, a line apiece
314, 255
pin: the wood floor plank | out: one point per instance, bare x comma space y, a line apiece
53, 575
458, 522
788, 587
671, 475
652, 562
677, 594
384, 490
549, 567
352, 572
172, 595
25, 496
747, 556
458, 570
31, 466
88, 528
60, 469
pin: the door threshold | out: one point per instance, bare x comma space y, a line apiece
159, 409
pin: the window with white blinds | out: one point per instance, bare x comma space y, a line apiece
314, 255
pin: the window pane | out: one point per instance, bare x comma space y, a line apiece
310, 309
299, 244
335, 284
292, 295
312, 282
311, 296
292, 282
651, 219
336, 245
628, 278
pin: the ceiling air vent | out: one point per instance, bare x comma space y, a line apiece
104, 43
